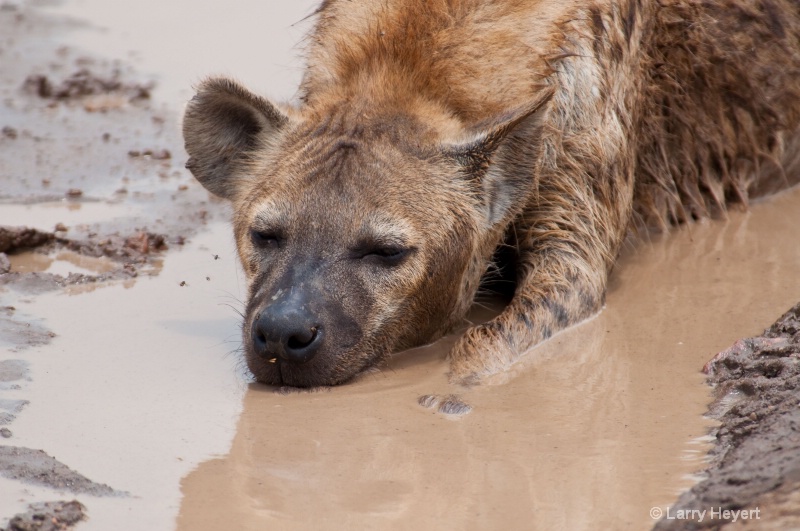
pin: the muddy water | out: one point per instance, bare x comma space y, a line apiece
142, 389
590, 431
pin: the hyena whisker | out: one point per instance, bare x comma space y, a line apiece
236, 310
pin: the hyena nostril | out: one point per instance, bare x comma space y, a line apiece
303, 344
303, 339
286, 332
259, 340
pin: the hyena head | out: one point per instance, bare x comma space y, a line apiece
361, 231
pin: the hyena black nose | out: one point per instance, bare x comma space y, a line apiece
289, 334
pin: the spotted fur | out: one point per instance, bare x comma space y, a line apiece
553, 127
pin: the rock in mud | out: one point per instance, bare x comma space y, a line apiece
48, 516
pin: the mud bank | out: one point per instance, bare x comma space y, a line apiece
754, 476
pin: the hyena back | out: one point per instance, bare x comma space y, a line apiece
429, 133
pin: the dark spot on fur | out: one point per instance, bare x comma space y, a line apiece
630, 21
546, 332
587, 299
597, 21
345, 145
599, 29
774, 19
616, 51
559, 313
526, 320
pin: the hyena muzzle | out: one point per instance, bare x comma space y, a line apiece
431, 133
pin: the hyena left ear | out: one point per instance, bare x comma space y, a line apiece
499, 155
223, 125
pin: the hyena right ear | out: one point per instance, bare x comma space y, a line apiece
498, 156
223, 125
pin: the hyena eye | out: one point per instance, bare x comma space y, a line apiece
265, 239
386, 254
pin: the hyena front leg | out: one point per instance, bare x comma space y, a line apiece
571, 229
551, 295
568, 240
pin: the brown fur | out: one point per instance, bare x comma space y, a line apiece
455, 127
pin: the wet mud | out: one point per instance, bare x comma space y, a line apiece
91, 198
48, 516
119, 338
35, 466
131, 255
755, 463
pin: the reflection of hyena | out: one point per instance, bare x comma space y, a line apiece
430, 133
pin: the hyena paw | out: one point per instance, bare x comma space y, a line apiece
482, 351
451, 406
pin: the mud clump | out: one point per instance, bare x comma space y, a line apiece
132, 253
48, 516
19, 238
84, 83
126, 249
755, 465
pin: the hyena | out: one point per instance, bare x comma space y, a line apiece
430, 134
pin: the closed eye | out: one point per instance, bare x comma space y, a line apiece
265, 239
389, 255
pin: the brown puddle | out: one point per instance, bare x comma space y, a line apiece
590, 431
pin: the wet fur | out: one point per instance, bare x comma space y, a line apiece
565, 126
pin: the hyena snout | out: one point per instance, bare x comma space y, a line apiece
287, 330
